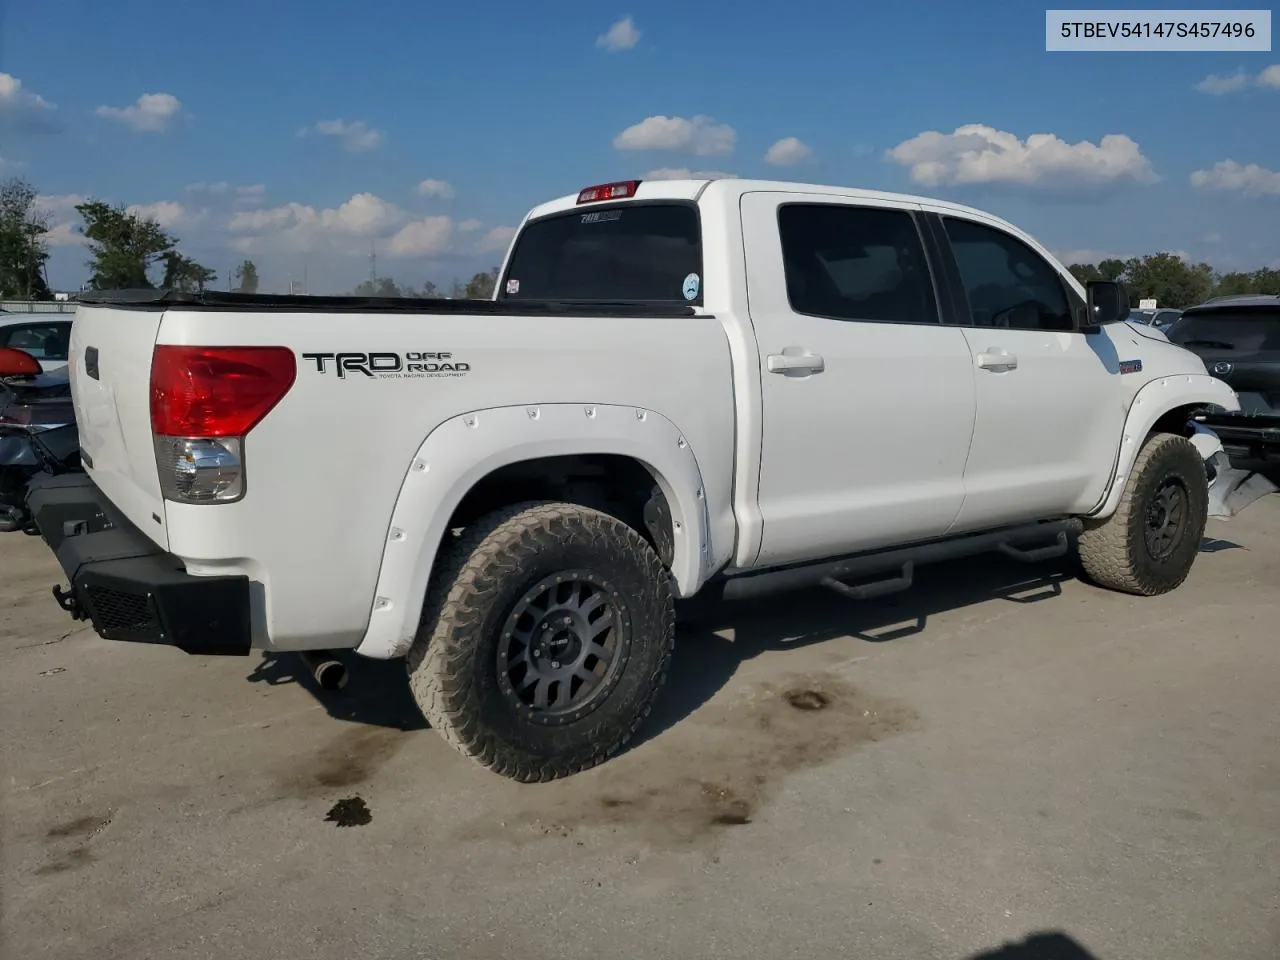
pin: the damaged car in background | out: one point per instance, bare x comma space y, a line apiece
1238, 338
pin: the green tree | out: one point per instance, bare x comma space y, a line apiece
429, 291
1168, 279
123, 246
184, 274
380, 287
23, 252
1084, 272
246, 277
481, 286
1111, 270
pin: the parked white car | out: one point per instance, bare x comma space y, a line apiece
680, 387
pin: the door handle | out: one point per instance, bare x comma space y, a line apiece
786, 363
997, 360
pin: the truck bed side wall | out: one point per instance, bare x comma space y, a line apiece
325, 467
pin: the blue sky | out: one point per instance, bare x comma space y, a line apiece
312, 126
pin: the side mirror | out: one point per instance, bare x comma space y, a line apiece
18, 363
1108, 302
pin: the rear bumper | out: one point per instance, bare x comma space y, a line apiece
128, 587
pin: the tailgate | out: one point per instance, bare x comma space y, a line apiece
110, 363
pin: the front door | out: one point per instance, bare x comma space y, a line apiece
1050, 402
868, 401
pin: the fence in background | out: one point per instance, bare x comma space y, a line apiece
37, 306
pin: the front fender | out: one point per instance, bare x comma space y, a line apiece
462, 451
1152, 402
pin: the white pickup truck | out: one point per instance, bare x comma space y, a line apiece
682, 386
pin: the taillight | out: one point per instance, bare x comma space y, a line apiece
18, 363
609, 191
204, 400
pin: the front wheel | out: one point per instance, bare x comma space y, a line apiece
1148, 545
545, 640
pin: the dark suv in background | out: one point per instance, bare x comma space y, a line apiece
1238, 338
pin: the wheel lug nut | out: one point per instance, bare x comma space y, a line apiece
555, 664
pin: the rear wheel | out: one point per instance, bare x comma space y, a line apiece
1148, 545
544, 641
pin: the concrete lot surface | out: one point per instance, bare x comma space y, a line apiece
1004, 762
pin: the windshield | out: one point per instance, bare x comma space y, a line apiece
1244, 332
643, 252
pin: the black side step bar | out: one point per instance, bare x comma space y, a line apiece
1026, 542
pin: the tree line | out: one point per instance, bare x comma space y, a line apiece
125, 249
1173, 282
479, 287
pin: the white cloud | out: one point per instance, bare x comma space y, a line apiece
364, 215
167, 213
978, 154
700, 136
1219, 83
496, 239
441, 189
623, 35
469, 226
787, 152
22, 108
421, 238
356, 135
63, 219
1251, 180
151, 112
300, 228
684, 173
64, 235
1068, 257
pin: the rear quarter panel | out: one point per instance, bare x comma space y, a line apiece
324, 468
113, 410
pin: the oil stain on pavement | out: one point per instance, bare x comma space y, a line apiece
711, 773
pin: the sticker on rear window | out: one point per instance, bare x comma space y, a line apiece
602, 216
691, 286
513, 287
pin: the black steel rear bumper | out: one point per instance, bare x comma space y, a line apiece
124, 584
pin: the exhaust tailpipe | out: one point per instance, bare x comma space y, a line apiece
328, 672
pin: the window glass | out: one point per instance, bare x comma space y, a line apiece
648, 252
1007, 283
44, 341
1241, 331
855, 263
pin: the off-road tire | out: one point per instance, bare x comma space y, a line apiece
454, 662
1114, 552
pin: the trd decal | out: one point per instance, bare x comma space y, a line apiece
389, 366
1130, 366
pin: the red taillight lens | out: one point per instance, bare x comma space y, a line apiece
18, 363
609, 191
216, 391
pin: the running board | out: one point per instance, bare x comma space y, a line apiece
1026, 542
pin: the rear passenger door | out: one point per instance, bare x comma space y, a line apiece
1050, 401
868, 400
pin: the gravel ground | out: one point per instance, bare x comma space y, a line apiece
1002, 762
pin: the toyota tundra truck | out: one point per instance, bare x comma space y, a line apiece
679, 388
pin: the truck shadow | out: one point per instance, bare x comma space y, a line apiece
376, 693
1038, 946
